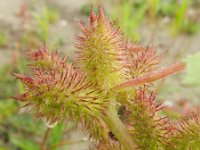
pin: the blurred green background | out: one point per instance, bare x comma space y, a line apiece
173, 26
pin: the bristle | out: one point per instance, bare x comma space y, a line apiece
146, 115
186, 131
92, 17
56, 85
101, 16
104, 55
82, 92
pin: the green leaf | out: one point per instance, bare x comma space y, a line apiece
192, 70
2, 148
3, 39
131, 18
180, 16
56, 134
7, 108
24, 143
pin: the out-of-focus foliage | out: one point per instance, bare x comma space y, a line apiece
192, 70
3, 39
57, 134
38, 27
21, 131
133, 14
47, 17
131, 18
14, 129
181, 22
86, 10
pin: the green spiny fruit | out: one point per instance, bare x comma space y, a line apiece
100, 51
187, 133
59, 93
149, 130
141, 60
112, 144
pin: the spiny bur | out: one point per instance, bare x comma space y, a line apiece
59, 93
100, 51
107, 91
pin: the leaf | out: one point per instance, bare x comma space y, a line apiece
131, 18
180, 16
192, 70
24, 143
7, 108
2, 148
3, 39
42, 21
56, 134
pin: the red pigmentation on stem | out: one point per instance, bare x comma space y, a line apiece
153, 76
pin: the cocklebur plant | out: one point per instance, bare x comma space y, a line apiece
107, 90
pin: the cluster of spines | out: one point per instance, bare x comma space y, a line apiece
146, 125
59, 93
187, 132
141, 60
110, 144
46, 60
100, 51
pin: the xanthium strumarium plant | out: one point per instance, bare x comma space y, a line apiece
108, 90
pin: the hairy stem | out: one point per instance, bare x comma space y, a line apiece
118, 128
153, 76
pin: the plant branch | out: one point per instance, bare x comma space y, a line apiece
153, 76
118, 128
43, 146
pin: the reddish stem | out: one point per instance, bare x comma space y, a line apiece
153, 76
44, 140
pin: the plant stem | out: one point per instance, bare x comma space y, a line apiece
153, 76
118, 128
43, 146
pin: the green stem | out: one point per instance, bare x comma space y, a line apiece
118, 128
